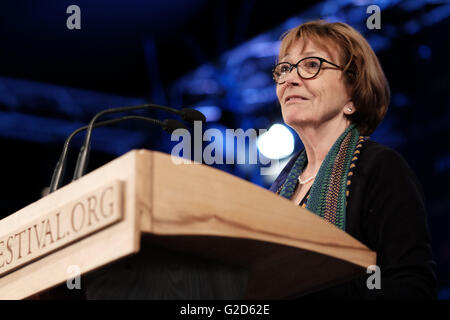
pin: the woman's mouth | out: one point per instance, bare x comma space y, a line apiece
295, 99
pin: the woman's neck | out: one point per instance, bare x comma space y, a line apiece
318, 141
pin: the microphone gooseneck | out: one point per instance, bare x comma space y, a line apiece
187, 114
168, 125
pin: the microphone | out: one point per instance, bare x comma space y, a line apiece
168, 125
187, 114
191, 115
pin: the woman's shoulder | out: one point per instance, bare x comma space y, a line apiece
380, 151
382, 164
381, 156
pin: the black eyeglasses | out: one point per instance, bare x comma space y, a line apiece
307, 68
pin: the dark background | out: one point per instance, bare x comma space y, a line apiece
215, 54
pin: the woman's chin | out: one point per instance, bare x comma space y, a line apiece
293, 115
296, 121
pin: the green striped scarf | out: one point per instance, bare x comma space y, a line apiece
328, 194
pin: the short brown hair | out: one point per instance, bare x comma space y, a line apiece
362, 71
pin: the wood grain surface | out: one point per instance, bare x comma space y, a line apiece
189, 231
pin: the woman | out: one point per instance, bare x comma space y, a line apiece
333, 93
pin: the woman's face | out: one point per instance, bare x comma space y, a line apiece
317, 100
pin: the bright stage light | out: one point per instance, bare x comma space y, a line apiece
277, 143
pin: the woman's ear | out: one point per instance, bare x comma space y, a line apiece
349, 108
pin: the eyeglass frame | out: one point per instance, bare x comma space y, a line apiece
292, 66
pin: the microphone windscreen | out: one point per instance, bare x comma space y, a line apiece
192, 115
170, 125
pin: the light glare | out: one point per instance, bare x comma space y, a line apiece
277, 142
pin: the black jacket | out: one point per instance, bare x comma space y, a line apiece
386, 212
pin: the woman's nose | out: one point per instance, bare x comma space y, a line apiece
293, 79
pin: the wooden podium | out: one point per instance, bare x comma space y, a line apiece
146, 227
